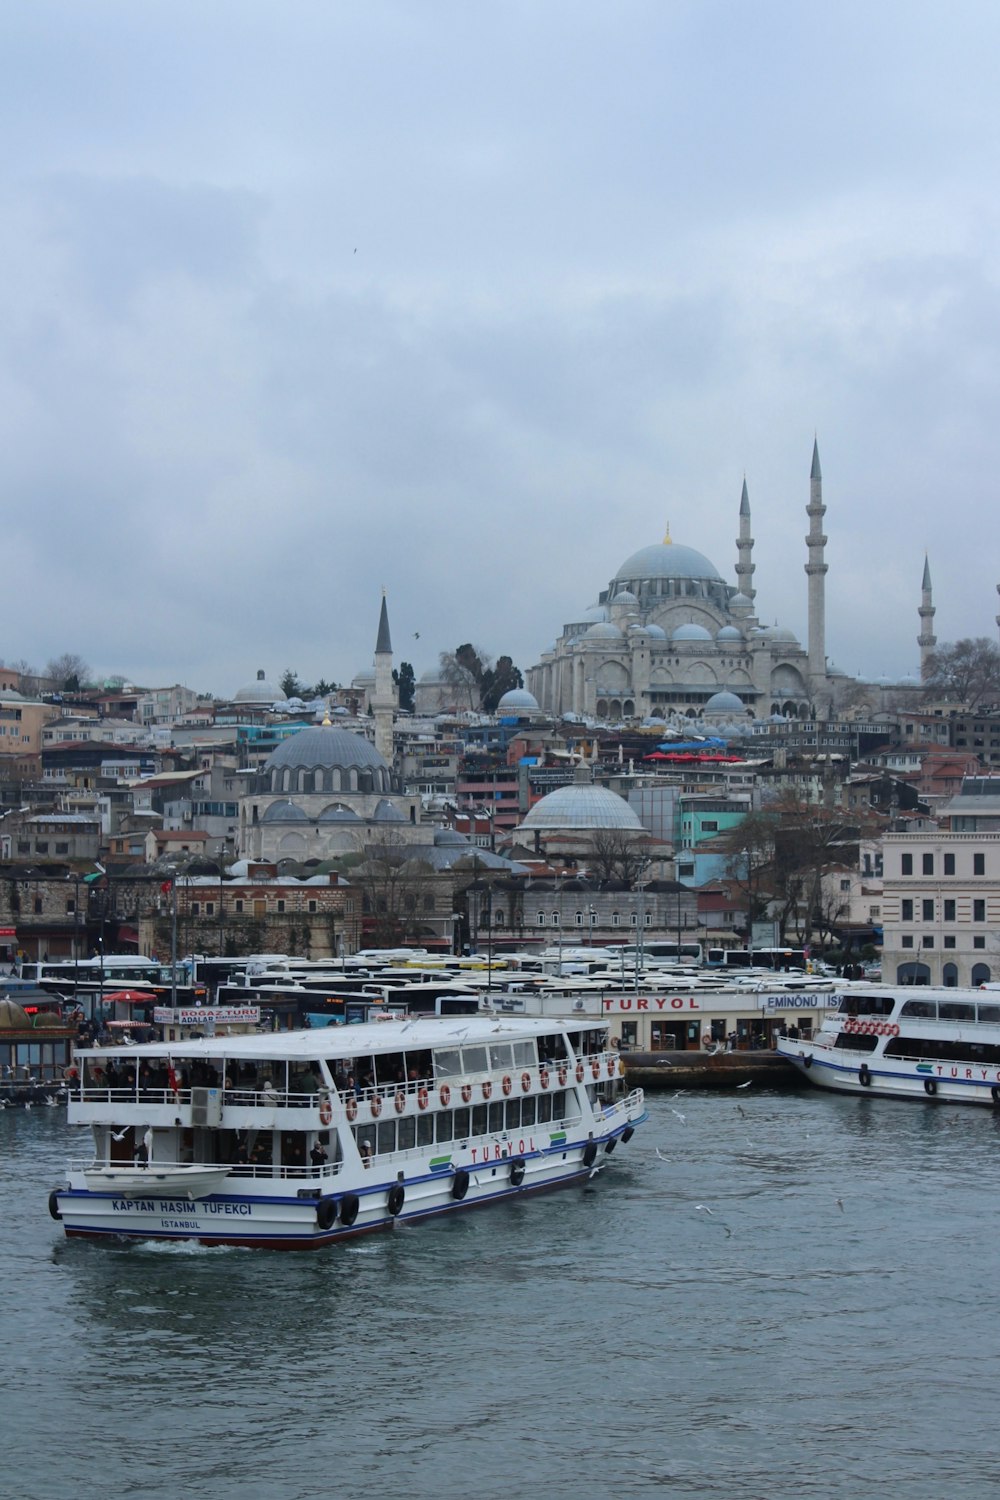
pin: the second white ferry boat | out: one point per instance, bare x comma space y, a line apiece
291, 1140
908, 1043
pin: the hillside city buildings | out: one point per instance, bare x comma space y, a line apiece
673, 768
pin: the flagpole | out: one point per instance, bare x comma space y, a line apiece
173, 943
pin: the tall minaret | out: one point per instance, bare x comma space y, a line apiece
744, 549
816, 573
926, 640
383, 699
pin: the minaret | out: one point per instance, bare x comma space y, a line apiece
383, 700
816, 573
744, 549
926, 640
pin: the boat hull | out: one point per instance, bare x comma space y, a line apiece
879, 1077
316, 1219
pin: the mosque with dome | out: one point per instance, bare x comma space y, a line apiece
669, 636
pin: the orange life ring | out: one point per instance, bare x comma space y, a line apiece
325, 1110
352, 1107
562, 1075
506, 1085
579, 1072
487, 1089
466, 1092
444, 1094
611, 1067
400, 1102
595, 1067
376, 1105
526, 1081
423, 1098
543, 1078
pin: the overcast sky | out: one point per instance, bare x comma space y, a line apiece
303, 300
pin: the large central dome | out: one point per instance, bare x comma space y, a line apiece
666, 560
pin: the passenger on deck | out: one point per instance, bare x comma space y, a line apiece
269, 1094
366, 1153
318, 1155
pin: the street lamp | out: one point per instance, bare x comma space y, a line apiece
591, 912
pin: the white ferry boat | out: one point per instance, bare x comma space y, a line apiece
911, 1043
292, 1140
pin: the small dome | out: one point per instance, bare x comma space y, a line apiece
779, 633
339, 813
603, 632
624, 596
432, 675
594, 614
260, 691
13, 1017
387, 812
740, 601
284, 812
691, 632
364, 679
579, 806
657, 632
450, 836
518, 698
724, 703
729, 633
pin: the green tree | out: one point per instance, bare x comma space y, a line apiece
405, 680
499, 680
290, 684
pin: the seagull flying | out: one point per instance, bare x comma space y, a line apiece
119, 1135
660, 1154
705, 1207
745, 1085
682, 1118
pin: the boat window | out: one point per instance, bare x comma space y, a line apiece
447, 1064
925, 1009
972, 1054
425, 1130
544, 1102
850, 1041
407, 1127
474, 1060
990, 1013
524, 1054
496, 1115
955, 1010
559, 1104
385, 1137
501, 1056
513, 1119
463, 1123
480, 1117
445, 1125
873, 1005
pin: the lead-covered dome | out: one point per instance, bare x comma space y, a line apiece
518, 700
579, 806
259, 691
666, 560
325, 758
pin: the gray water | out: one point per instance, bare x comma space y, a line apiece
614, 1340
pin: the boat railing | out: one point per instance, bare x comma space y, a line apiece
328, 1172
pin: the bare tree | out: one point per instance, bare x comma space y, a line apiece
967, 672
397, 891
615, 855
69, 672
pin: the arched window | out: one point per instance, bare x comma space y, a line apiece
499, 920
913, 973
579, 918
980, 974
541, 919
555, 919
634, 920
950, 975
616, 920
